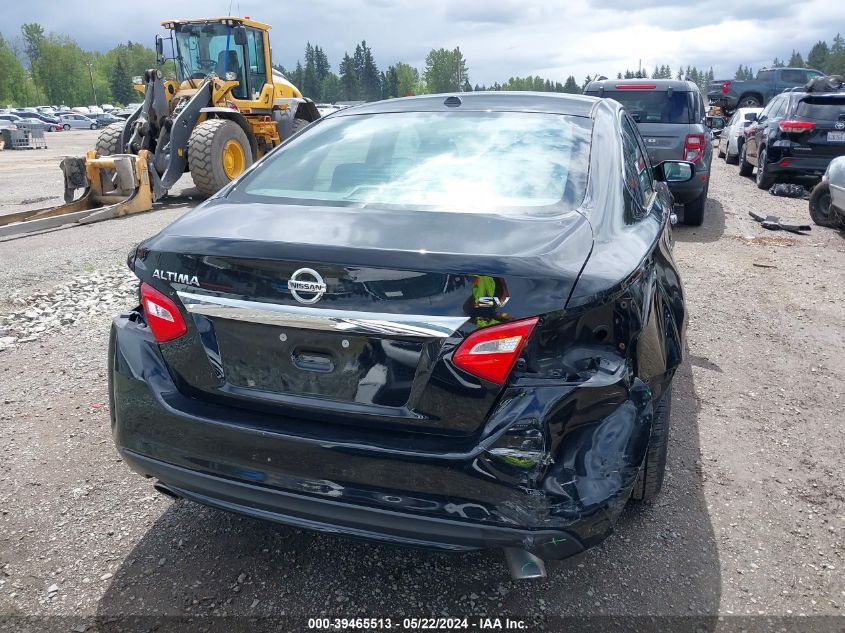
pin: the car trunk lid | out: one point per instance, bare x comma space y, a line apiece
379, 300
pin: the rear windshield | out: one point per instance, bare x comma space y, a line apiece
655, 106
821, 108
441, 161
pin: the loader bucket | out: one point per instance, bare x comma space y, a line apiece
114, 186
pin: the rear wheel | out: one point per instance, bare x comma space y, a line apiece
732, 159
764, 178
650, 480
694, 211
820, 207
66, 127
745, 168
721, 152
749, 101
218, 152
298, 124
108, 142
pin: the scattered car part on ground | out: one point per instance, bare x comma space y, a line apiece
827, 200
774, 223
730, 94
479, 354
672, 120
789, 190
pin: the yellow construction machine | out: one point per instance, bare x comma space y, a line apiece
226, 108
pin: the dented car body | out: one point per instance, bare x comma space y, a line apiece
377, 360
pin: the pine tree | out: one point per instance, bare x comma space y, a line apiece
818, 56
349, 83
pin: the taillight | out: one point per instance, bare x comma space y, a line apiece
725, 87
162, 314
796, 126
491, 352
636, 86
693, 147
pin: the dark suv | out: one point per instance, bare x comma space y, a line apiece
795, 138
671, 118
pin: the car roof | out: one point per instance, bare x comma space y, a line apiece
504, 101
610, 85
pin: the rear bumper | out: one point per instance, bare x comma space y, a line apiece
325, 515
453, 493
684, 192
800, 167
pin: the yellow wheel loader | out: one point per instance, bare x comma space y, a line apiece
226, 108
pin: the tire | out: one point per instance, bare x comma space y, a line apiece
721, 153
820, 208
650, 479
694, 211
108, 140
298, 124
763, 178
93, 126
210, 168
748, 101
66, 127
732, 159
745, 168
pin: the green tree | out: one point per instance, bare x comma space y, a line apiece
12, 77
121, 83
407, 80
838, 45
368, 73
571, 86
445, 70
349, 83
796, 61
818, 56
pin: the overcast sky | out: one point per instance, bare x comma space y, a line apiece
500, 38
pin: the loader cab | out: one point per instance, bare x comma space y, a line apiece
232, 49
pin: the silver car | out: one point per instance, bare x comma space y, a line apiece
827, 201
733, 136
78, 121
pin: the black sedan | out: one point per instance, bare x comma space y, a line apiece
441, 321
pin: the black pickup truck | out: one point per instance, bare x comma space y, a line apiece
730, 94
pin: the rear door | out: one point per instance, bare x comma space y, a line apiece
827, 136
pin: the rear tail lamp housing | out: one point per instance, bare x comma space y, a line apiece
694, 147
491, 352
726, 87
162, 314
791, 126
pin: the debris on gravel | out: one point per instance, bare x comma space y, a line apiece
80, 299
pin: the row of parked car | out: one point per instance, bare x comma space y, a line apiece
798, 137
49, 120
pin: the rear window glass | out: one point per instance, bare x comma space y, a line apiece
765, 75
439, 161
655, 106
821, 109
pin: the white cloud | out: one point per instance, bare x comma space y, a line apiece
499, 39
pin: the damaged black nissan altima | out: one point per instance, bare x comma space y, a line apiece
442, 321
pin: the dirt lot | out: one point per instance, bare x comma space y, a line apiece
751, 522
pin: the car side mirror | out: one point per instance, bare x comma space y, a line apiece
159, 50
240, 35
674, 171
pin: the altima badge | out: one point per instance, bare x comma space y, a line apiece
299, 282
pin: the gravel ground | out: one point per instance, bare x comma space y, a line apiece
751, 521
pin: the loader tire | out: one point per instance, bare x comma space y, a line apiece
109, 139
218, 152
298, 124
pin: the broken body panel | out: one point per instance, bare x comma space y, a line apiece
345, 428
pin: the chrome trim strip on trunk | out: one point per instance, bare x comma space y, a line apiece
309, 318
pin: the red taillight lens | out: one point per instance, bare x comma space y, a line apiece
490, 353
693, 147
162, 314
796, 126
636, 86
725, 87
